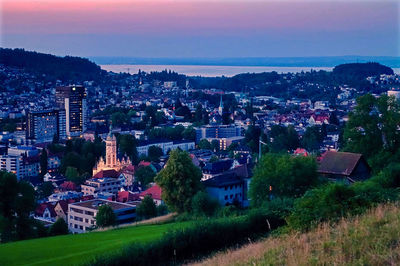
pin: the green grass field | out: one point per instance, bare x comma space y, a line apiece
76, 249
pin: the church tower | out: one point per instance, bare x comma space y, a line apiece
111, 151
221, 106
111, 161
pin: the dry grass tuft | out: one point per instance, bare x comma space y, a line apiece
370, 239
155, 220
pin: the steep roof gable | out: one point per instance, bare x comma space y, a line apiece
339, 163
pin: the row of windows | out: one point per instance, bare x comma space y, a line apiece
237, 195
231, 186
79, 219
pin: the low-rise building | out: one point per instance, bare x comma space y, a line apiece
95, 186
154, 192
344, 166
82, 215
64, 196
227, 188
165, 146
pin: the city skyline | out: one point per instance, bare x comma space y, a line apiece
163, 28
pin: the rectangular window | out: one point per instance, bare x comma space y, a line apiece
226, 197
89, 213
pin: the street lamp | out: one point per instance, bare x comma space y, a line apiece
259, 148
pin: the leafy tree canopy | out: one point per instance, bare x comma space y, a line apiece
105, 216
179, 181
282, 176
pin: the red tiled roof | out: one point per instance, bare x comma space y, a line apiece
68, 186
42, 207
301, 151
130, 169
107, 173
87, 197
125, 196
143, 163
154, 192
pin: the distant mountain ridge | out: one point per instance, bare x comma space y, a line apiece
324, 61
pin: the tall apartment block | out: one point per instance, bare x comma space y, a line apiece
72, 100
41, 126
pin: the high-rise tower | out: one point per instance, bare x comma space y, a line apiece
72, 99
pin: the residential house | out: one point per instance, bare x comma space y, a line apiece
344, 166
155, 193
45, 211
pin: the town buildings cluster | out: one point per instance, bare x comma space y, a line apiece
53, 112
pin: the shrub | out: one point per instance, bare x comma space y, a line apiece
105, 216
162, 209
147, 208
282, 176
194, 241
230, 211
278, 207
203, 204
334, 201
60, 227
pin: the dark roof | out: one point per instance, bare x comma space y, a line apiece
339, 163
223, 180
96, 203
240, 171
218, 167
63, 204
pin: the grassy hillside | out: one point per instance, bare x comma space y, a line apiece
371, 239
75, 249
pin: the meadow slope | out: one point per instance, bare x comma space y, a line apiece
77, 249
370, 239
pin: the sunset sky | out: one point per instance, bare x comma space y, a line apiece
193, 28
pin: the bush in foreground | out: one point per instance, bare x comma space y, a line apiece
194, 241
370, 239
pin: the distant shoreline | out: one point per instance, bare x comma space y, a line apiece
211, 70
327, 61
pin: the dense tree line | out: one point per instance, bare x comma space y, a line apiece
372, 130
66, 68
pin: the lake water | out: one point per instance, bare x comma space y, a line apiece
211, 71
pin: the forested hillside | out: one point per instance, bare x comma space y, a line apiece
63, 68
